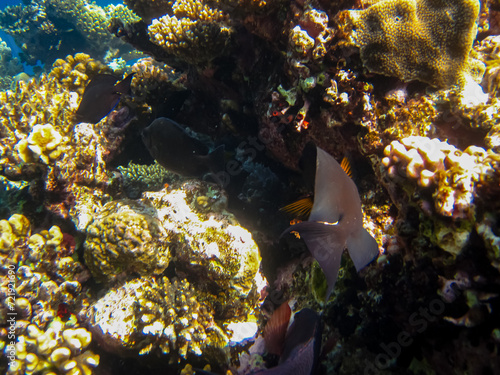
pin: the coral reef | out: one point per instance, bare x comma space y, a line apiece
216, 262
47, 30
75, 72
195, 32
455, 176
160, 315
38, 275
9, 66
139, 178
60, 348
411, 39
125, 237
176, 277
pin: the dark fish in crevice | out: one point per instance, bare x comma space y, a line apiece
175, 149
101, 96
336, 220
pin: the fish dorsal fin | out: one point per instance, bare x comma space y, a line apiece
102, 80
346, 166
123, 87
299, 208
329, 188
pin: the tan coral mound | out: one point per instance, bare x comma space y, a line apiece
426, 40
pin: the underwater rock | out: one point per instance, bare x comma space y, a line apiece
126, 237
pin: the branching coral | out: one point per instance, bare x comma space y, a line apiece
57, 348
195, 32
152, 315
427, 40
75, 72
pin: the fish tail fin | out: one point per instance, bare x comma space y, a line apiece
362, 248
326, 243
123, 87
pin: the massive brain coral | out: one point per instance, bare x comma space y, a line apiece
125, 237
426, 40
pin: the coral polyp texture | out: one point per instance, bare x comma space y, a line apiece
426, 40
195, 32
42, 273
218, 259
125, 237
60, 348
118, 265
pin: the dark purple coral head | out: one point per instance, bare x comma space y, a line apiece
336, 221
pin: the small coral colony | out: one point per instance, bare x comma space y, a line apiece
250, 187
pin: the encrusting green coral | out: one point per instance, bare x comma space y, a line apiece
427, 40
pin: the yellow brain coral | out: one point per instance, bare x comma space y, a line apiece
426, 40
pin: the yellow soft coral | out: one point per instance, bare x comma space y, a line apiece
426, 40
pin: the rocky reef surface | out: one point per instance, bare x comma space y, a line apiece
111, 264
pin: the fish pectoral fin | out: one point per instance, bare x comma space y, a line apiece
362, 248
326, 243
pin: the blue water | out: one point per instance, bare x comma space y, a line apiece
5, 3
10, 41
